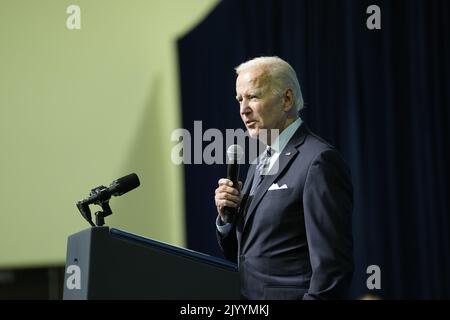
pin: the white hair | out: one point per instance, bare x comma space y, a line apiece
282, 75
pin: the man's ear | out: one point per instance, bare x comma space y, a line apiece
288, 100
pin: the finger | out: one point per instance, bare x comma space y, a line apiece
226, 203
227, 189
225, 181
227, 196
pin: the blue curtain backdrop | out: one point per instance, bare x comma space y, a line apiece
380, 96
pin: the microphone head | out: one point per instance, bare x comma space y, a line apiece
123, 185
235, 152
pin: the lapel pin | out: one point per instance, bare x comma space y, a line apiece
288, 153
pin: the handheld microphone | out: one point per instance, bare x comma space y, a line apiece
234, 154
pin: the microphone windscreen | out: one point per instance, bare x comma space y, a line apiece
124, 184
235, 152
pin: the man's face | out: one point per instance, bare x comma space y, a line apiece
260, 108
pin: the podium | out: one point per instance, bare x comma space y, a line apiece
104, 263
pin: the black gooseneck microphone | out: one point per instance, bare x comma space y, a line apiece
234, 154
116, 188
101, 195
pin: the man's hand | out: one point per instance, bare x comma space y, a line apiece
227, 196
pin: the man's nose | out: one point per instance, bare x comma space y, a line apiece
244, 107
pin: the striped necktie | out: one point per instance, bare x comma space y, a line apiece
261, 169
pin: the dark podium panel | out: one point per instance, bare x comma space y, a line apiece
105, 263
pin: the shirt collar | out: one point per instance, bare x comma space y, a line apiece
282, 140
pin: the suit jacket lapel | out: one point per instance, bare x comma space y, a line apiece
246, 189
285, 158
249, 179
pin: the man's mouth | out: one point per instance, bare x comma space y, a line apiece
250, 122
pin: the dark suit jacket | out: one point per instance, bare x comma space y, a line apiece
296, 243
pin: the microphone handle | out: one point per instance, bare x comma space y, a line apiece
233, 175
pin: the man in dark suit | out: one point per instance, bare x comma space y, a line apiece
292, 235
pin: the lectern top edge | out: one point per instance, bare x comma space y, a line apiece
221, 263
